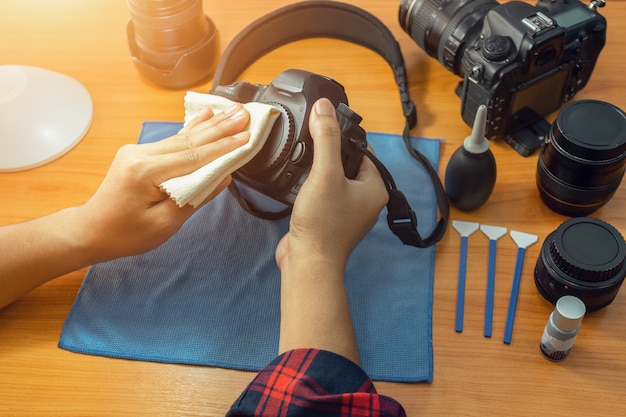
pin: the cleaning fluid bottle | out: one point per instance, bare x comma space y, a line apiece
471, 171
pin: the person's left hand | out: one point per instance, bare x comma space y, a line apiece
129, 214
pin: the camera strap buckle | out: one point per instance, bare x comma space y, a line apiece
402, 220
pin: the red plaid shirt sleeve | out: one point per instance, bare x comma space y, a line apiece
311, 382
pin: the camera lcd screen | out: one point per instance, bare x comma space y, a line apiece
541, 96
572, 16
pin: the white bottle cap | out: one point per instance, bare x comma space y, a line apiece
568, 313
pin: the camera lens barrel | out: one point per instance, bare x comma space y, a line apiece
172, 42
584, 257
166, 29
583, 162
443, 27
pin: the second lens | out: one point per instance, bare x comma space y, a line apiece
582, 164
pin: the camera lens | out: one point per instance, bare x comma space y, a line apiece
443, 27
583, 257
166, 29
582, 164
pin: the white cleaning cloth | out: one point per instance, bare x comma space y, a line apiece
195, 187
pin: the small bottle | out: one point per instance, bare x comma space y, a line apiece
562, 328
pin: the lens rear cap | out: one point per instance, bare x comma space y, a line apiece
589, 250
591, 130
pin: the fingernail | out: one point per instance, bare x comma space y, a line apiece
230, 109
237, 115
204, 112
241, 135
324, 107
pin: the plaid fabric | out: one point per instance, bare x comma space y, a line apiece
310, 382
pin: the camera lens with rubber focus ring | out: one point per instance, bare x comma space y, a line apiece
582, 164
584, 257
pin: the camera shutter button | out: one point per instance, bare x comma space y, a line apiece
497, 48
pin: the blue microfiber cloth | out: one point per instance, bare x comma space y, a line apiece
210, 294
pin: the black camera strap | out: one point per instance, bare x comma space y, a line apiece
314, 19
401, 218
332, 19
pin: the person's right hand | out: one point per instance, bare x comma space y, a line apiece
129, 213
331, 213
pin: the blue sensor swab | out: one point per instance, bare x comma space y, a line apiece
493, 233
465, 229
523, 241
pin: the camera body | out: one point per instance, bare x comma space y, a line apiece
526, 62
284, 162
522, 61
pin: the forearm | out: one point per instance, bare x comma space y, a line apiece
314, 307
39, 250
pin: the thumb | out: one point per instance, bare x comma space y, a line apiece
326, 134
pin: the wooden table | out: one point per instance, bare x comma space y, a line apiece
473, 376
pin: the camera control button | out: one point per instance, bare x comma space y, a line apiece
299, 154
497, 48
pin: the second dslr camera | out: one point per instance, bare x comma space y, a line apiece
522, 61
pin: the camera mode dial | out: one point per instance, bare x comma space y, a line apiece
497, 48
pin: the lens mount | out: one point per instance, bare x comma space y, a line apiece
277, 147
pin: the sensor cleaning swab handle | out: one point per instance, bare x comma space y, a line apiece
465, 229
523, 241
493, 233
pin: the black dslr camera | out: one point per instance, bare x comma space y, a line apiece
283, 164
521, 61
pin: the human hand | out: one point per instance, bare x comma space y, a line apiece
331, 213
330, 216
129, 214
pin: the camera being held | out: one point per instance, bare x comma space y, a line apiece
283, 164
521, 61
